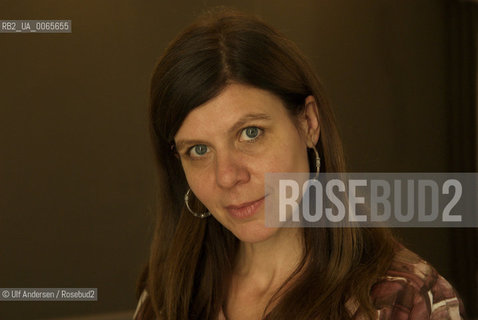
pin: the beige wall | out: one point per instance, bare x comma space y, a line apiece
76, 168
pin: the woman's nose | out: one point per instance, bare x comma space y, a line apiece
231, 169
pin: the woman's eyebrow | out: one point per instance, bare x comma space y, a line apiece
180, 144
249, 117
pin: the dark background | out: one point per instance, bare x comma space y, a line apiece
77, 176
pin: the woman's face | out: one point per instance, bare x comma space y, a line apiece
228, 144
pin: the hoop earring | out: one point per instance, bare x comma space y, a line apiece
317, 162
199, 215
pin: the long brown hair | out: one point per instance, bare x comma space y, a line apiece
191, 259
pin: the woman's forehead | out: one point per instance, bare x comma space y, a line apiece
235, 104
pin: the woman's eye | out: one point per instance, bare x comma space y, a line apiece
198, 150
250, 133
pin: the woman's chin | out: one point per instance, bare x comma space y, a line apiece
254, 232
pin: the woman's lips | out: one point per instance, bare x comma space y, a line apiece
245, 210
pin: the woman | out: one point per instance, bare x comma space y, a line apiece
232, 99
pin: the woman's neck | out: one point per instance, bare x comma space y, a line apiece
269, 263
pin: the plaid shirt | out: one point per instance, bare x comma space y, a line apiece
412, 289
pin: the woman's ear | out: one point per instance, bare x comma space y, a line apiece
310, 122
